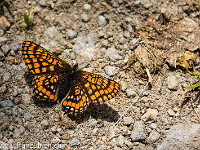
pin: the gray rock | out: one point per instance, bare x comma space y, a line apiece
26, 98
121, 140
127, 34
130, 93
172, 82
128, 120
87, 7
143, 92
111, 70
151, 114
53, 129
10, 141
171, 113
6, 103
74, 142
113, 54
45, 123
137, 2
153, 125
182, 136
93, 123
27, 117
138, 131
122, 40
6, 76
14, 111
85, 17
114, 141
129, 144
3, 39
70, 34
5, 49
37, 9
153, 136
147, 6
18, 132
43, 3
4, 121
56, 140
101, 20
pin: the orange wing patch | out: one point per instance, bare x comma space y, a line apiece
40, 61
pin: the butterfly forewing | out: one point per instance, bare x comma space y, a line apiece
40, 61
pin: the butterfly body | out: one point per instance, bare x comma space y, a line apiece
57, 80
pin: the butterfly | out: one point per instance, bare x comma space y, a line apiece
57, 80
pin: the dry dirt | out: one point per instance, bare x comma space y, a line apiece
139, 43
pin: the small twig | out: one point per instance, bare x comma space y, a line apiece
149, 75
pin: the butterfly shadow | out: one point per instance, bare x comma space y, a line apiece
97, 111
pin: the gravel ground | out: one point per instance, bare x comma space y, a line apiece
119, 39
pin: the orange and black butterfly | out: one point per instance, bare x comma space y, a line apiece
55, 79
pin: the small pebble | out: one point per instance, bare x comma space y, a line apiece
45, 123
3, 88
153, 125
70, 34
138, 131
171, 113
121, 140
85, 17
87, 7
74, 142
101, 20
111, 70
55, 140
27, 117
93, 123
5, 49
10, 59
150, 114
26, 98
113, 54
104, 43
153, 136
6, 76
128, 121
130, 93
17, 100
129, 144
172, 82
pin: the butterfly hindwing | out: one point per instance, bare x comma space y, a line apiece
99, 89
76, 101
40, 61
45, 87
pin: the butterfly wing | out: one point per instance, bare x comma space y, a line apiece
98, 88
40, 61
76, 101
46, 87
